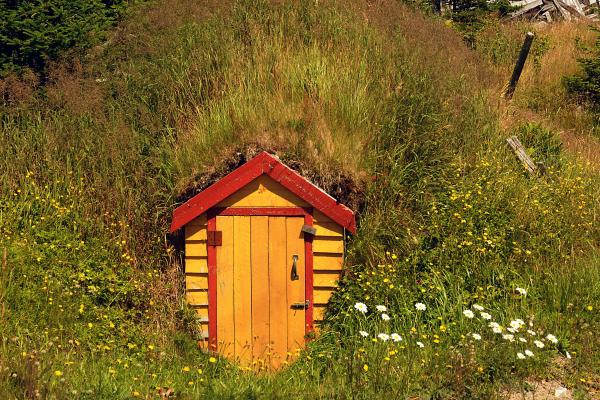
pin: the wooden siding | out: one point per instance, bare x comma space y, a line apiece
263, 192
328, 257
196, 272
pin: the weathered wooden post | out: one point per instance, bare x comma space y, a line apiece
514, 79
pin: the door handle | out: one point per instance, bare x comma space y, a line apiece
294, 275
301, 306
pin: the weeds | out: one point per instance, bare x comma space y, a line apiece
93, 162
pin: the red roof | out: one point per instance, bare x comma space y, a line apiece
264, 163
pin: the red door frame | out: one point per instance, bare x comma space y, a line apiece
212, 261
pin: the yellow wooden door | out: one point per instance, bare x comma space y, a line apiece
260, 289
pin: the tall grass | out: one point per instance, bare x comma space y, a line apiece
95, 161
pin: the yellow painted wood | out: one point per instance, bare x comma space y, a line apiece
196, 265
202, 312
278, 276
195, 232
319, 312
328, 229
327, 262
295, 288
196, 281
259, 238
197, 297
321, 296
319, 217
199, 221
195, 249
321, 245
326, 278
225, 288
263, 192
242, 286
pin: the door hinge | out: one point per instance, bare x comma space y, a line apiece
214, 238
311, 230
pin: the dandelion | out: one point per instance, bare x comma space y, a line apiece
420, 306
509, 337
478, 307
395, 337
186, 369
365, 367
212, 360
381, 308
385, 317
468, 313
58, 373
362, 307
383, 337
476, 336
520, 356
538, 344
485, 315
420, 344
363, 333
590, 308
521, 291
529, 353
552, 338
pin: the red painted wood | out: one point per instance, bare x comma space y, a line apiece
309, 277
212, 286
270, 211
264, 163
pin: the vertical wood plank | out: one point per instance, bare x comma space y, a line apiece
225, 288
278, 275
259, 239
295, 288
242, 285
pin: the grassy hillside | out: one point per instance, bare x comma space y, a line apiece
373, 96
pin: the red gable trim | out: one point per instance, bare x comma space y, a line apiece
264, 163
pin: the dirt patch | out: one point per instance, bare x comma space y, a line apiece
338, 183
543, 390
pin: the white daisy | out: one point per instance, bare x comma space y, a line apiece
539, 344
476, 336
383, 336
509, 337
552, 338
478, 307
520, 356
522, 340
395, 337
362, 307
532, 333
529, 353
363, 333
521, 291
420, 344
381, 308
385, 317
485, 315
420, 306
468, 313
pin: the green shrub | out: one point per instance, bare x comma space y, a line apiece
34, 32
586, 85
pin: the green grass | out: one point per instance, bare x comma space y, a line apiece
94, 162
